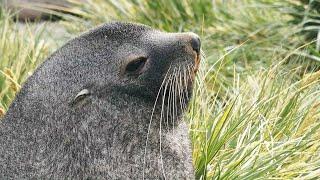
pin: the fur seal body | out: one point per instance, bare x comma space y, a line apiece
107, 105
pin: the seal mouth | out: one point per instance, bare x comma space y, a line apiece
195, 68
196, 63
179, 79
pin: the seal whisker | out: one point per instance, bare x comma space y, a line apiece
202, 54
185, 90
180, 89
174, 99
160, 126
190, 73
170, 98
186, 79
186, 82
149, 125
182, 95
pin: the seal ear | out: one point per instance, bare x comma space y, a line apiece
80, 97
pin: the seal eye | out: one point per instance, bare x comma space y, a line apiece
136, 65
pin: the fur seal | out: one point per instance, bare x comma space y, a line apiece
107, 105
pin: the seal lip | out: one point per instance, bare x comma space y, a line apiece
197, 63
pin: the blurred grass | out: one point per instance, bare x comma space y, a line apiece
21, 51
256, 107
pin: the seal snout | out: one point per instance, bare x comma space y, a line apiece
196, 46
191, 40
195, 43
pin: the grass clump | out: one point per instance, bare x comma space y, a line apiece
268, 129
21, 49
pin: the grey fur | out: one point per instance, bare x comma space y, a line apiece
81, 116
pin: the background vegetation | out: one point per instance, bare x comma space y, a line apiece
256, 108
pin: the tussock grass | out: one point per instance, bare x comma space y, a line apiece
268, 129
256, 107
21, 51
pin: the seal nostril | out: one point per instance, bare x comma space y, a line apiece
196, 43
